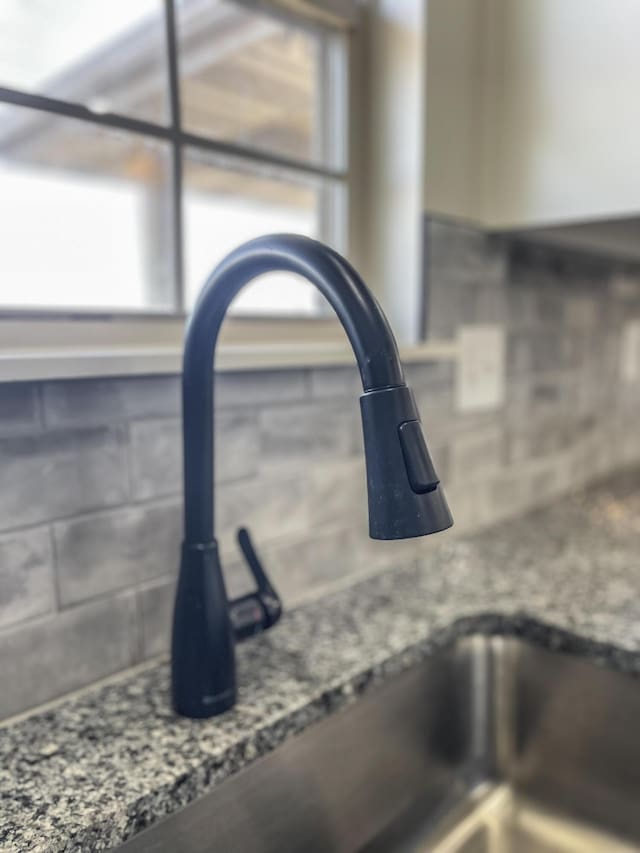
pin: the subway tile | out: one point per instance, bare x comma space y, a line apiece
466, 274
592, 456
436, 410
465, 422
626, 446
271, 507
518, 399
507, 495
461, 254
517, 445
521, 305
452, 305
624, 285
581, 312
337, 492
550, 307
26, 575
468, 505
430, 377
332, 382
536, 442
155, 458
155, 606
518, 356
476, 453
156, 452
553, 436
441, 458
533, 434
260, 388
545, 483
92, 402
99, 553
546, 350
445, 306
548, 392
152, 396
19, 409
579, 349
298, 568
58, 474
309, 431
542, 395
49, 656
490, 303
306, 567
548, 266
534, 265
237, 444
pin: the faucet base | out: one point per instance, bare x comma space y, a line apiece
203, 660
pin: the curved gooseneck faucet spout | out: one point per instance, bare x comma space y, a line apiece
404, 495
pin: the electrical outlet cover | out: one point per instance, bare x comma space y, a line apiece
480, 376
630, 352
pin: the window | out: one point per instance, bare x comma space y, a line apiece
140, 142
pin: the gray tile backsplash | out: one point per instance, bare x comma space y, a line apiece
61, 473
103, 552
91, 402
26, 575
271, 505
155, 609
91, 470
155, 458
20, 410
335, 382
307, 431
48, 656
263, 388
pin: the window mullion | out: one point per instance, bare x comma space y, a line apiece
148, 163
176, 156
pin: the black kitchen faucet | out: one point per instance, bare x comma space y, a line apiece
405, 498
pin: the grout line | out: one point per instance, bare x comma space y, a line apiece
152, 503
308, 384
128, 461
138, 640
119, 592
25, 528
55, 569
39, 398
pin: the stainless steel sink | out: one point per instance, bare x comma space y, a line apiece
492, 746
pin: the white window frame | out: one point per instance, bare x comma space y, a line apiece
26, 333
45, 345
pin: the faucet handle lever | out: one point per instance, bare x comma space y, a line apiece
257, 611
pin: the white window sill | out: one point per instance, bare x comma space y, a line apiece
68, 348
24, 365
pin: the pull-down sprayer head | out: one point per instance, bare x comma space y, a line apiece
405, 497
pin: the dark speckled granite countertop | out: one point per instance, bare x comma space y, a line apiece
100, 766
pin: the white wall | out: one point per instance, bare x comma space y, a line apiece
454, 133
568, 141
533, 110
